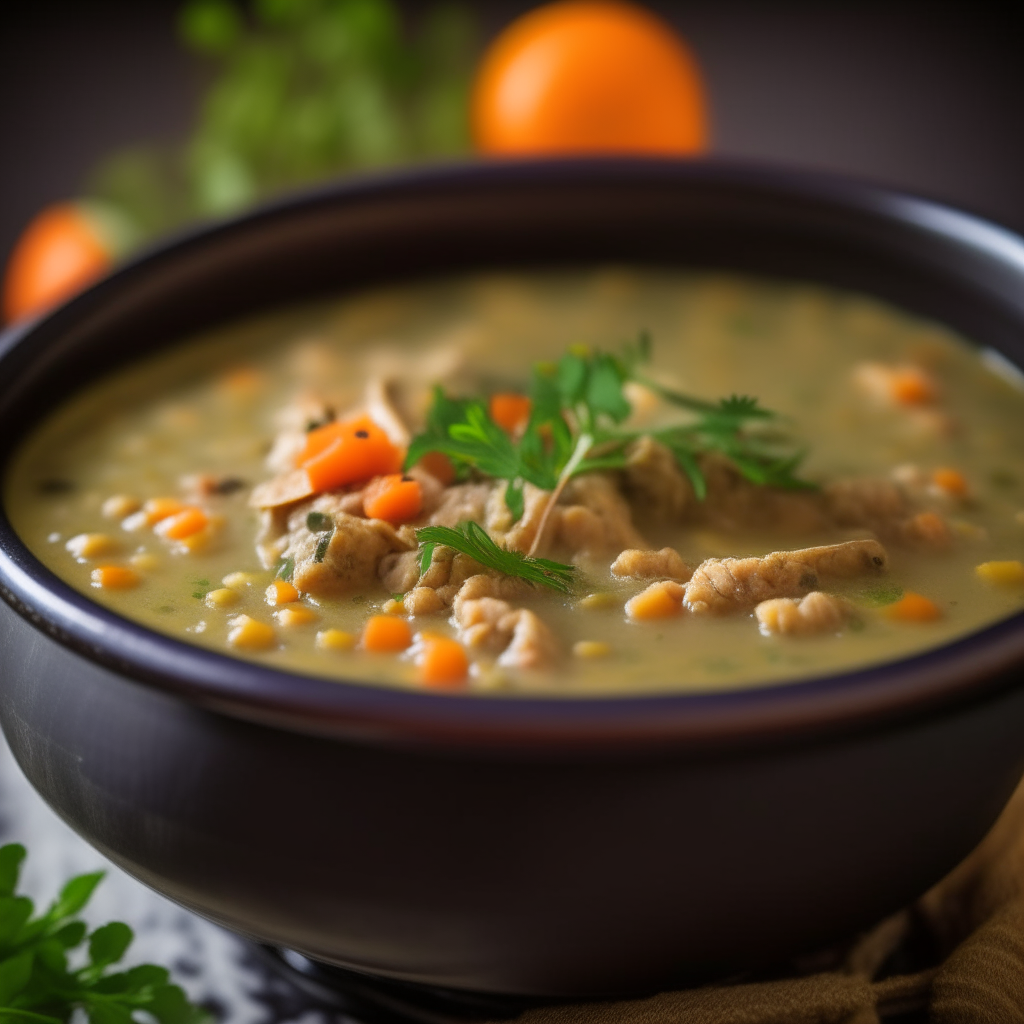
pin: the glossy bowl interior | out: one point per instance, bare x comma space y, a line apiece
834, 799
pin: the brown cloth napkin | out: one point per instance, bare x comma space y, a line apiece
972, 922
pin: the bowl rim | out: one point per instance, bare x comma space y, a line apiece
965, 670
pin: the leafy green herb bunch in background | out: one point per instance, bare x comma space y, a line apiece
37, 980
301, 90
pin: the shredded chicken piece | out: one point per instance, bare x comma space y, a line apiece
508, 588
533, 644
352, 555
815, 613
490, 624
272, 536
422, 601
381, 409
723, 585
399, 571
656, 487
460, 504
286, 489
664, 564
596, 519
928, 530
520, 535
882, 507
734, 503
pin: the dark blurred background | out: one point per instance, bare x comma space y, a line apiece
925, 97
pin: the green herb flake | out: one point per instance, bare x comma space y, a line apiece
317, 522
36, 981
472, 539
881, 594
199, 594
286, 569
321, 547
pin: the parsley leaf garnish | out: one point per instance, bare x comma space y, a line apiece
473, 540
37, 984
577, 408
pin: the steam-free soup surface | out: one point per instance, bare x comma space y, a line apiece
185, 492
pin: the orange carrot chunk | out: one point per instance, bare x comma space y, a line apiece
442, 662
911, 385
394, 497
510, 411
157, 509
913, 607
386, 634
439, 466
348, 453
951, 481
188, 521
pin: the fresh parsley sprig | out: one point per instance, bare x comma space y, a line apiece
578, 406
473, 540
38, 985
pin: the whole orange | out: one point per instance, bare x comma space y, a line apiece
589, 76
64, 248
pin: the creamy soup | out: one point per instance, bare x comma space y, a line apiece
615, 481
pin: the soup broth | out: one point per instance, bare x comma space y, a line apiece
203, 493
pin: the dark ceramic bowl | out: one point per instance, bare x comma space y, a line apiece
515, 845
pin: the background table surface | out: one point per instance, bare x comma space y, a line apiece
922, 97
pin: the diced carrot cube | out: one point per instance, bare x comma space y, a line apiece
395, 498
439, 466
510, 411
157, 509
910, 385
348, 453
442, 661
281, 592
183, 524
386, 633
115, 577
242, 382
659, 601
931, 528
913, 607
951, 481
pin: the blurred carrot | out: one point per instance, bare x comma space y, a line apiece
510, 411
348, 453
394, 497
65, 248
589, 76
384, 634
442, 662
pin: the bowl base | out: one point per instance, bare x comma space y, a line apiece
376, 1000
